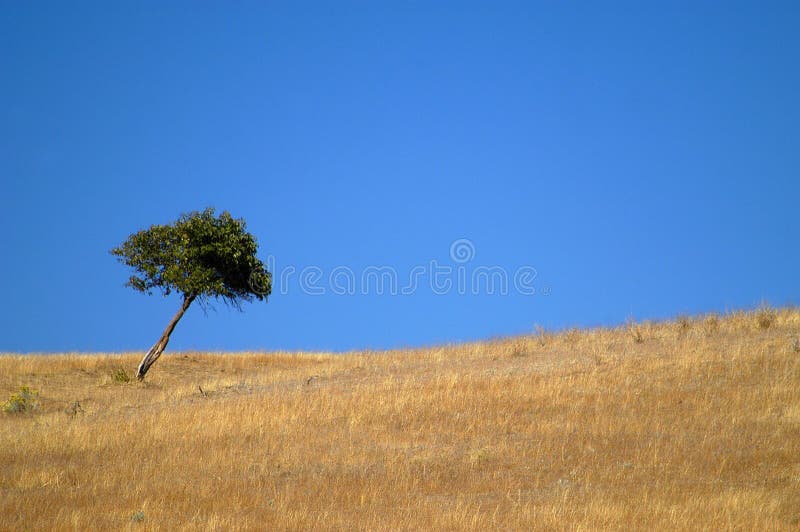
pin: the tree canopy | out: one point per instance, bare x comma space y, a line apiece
201, 256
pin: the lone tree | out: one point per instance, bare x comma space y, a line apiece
200, 256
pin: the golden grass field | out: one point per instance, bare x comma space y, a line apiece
687, 424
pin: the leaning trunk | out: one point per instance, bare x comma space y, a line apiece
159, 346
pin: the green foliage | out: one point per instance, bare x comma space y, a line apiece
137, 517
24, 400
200, 255
120, 376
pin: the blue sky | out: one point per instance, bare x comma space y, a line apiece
642, 157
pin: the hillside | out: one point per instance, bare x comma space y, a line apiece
693, 423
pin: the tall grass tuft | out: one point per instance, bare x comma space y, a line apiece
120, 376
765, 317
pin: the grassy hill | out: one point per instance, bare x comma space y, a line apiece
693, 423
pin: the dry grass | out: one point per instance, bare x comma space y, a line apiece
687, 424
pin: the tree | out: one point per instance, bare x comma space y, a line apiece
200, 256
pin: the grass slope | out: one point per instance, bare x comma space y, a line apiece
693, 423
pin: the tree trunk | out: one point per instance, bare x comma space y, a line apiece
159, 347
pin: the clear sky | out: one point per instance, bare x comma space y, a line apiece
632, 159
